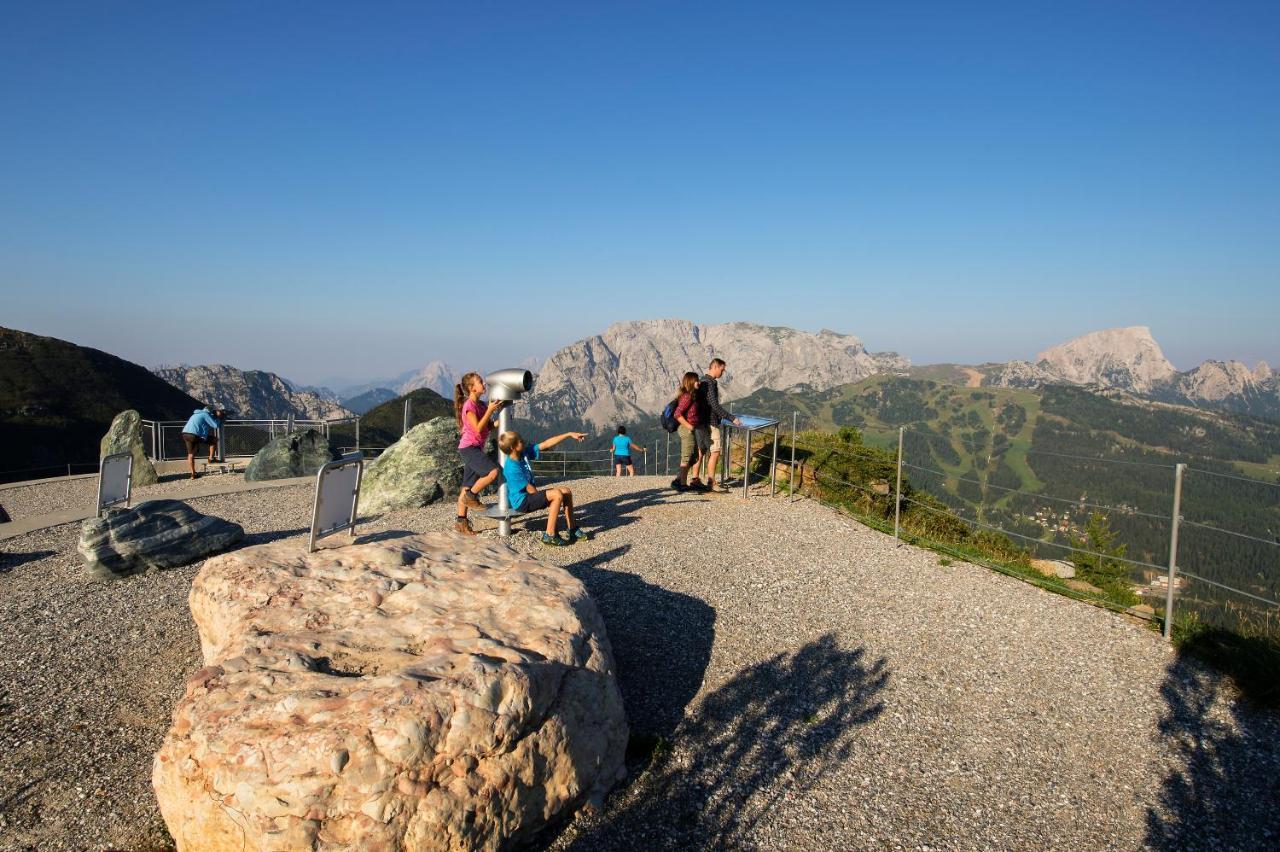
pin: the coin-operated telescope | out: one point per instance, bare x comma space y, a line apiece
507, 385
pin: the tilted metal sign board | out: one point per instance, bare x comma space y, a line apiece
337, 498
115, 480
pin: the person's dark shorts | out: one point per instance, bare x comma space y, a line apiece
625, 461
702, 438
476, 465
194, 441
535, 502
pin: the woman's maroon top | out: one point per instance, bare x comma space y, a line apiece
687, 408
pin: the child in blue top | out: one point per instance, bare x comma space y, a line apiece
622, 452
524, 495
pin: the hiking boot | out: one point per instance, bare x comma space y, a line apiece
553, 540
580, 534
678, 486
463, 525
716, 488
470, 499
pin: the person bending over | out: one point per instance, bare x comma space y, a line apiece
202, 428
522, 492
622, 452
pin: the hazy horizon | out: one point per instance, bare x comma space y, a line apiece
358, 191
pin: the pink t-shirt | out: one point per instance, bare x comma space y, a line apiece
470, 437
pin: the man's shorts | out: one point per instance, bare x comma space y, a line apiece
194, 441
625, 461
708, 439
535, 502
476, 465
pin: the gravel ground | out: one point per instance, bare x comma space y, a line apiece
792, 679
26, 501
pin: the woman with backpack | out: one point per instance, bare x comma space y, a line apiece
686, 415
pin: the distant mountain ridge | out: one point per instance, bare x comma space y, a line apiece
251, 394
632, 368
1129, 359
57, 400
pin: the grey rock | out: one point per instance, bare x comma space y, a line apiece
125, 436
419, 469
299, 453
153, 534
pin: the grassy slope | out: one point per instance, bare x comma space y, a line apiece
383, 425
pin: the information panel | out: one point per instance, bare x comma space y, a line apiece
115, 480
337, 498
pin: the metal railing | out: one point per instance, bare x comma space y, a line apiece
1161, 582
577, 464
239, 438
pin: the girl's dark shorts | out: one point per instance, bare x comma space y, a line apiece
625, 461
535, 502
193, 441
476, 464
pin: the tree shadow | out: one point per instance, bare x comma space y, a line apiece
1225, 793
773, 729
9, 561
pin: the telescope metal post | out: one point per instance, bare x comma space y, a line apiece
504, 523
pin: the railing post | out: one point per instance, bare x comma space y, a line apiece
897, 492
1173, 548
666, 457
791, 477
408, 414
564, 466
68, 470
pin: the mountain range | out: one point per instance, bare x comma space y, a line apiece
251, 394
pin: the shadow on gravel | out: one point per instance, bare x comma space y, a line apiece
251, 539
9, 561
661, 642
604, 515
771, 731
1226, 793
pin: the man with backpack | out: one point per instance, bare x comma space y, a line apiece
710, 416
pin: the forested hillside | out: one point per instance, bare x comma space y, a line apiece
1038, 464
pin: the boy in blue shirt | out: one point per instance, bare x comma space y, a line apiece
622, 452
522, 493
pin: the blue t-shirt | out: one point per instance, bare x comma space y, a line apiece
518, 474
622, 445
200, 423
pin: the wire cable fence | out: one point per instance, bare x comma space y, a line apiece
1116, 553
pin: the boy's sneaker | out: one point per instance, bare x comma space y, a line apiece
553, 540
470, 499
580, 534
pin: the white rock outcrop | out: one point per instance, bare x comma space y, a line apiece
251, 393
429, 692
632, 369
1124, 358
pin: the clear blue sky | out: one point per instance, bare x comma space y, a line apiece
355, 189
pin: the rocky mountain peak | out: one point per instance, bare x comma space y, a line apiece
632, 368
250, 393
1126, 358
435, 375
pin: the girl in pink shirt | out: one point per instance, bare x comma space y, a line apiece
475, 420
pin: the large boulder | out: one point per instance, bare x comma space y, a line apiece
300, 453
153, 534
429, 692
419, 469
125, 436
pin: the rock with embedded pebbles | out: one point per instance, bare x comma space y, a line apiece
125, 436
300, 453
431, 692
153, 534
419, 469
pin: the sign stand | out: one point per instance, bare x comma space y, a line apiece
115, 481
337, 498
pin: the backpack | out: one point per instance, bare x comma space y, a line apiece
668, 418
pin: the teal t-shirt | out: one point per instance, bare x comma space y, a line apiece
621, 445
519, 474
